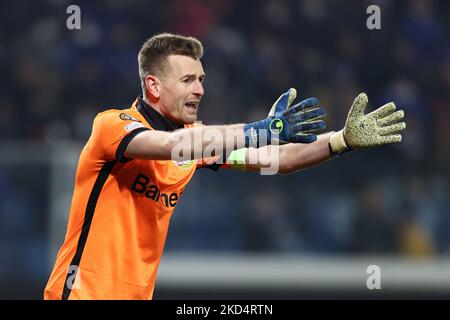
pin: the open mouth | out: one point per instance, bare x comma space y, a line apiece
192, 106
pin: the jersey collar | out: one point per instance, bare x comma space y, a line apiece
154, 118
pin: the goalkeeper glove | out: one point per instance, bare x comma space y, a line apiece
285, 124
362, 130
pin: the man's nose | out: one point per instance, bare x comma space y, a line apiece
198, 90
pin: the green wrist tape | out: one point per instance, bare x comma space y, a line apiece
236, 160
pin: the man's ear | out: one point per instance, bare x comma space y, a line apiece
153, 87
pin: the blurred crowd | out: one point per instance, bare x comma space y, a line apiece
391, 200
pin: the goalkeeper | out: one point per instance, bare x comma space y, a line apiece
138, 161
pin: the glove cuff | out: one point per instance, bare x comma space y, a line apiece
252, 133
337, 142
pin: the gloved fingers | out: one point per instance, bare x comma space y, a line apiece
306, 115
359, 106
315, 125
307, 103
283, 102
394, 128
392, 118
395, 138
320, 116
308, 127
304, 138
383, 111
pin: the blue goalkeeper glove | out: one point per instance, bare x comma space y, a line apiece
286, 124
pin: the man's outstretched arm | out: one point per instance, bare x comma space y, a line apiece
186, 143
380, 127
291, 157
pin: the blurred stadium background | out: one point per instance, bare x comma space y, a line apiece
236, 235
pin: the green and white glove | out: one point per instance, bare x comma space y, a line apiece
361, 130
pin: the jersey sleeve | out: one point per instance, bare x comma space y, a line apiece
112, 131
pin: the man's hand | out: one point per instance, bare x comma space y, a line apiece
285, 124
362, 130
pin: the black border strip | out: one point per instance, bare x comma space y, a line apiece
89, 214
120, 152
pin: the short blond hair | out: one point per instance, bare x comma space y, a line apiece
152, 57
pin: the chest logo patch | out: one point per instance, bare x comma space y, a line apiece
125, 116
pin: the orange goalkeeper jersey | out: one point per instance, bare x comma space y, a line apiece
120, 212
